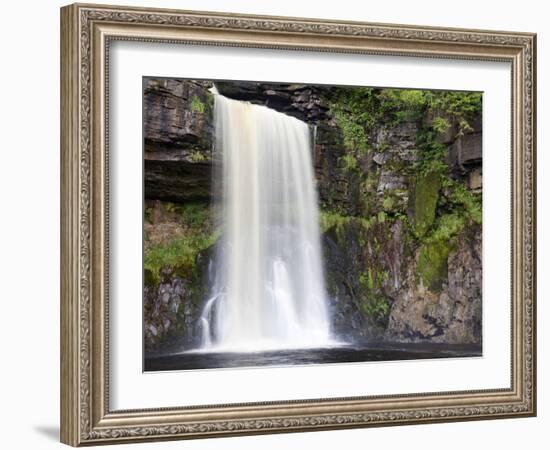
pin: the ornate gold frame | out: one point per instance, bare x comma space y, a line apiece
86, 31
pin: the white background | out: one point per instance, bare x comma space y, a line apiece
29, 180
132, 389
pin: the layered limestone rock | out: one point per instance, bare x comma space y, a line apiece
449, 311
178, 139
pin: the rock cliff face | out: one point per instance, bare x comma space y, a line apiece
306, 102
400, 201
450, 313
168, 310
178, 139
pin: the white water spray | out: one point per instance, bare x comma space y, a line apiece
268, 290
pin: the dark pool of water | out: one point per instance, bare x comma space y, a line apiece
342, 354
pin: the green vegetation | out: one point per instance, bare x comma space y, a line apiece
462, 200
399, 105
338, 222
432, 264
425, 196
388, 203
197, 156
431, 153
358, 110
374, 304
180, 251
348, 162
440, 125
195, 215
461, 107
197, 105
446, 227
436, 208
355, 136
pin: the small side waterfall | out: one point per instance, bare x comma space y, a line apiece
268, 290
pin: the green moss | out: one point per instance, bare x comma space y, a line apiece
197, 105
388, 203
446, 227
197, 156
367, 188
431, 153
348, 163
330, 220
180, 252
337, 221
424, 198
432, 264
371, 182
439, 208
374, 304
195, 215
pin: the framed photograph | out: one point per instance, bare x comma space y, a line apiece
280, 224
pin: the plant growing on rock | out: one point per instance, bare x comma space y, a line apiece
179, 252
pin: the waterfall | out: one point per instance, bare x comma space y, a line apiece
268, 289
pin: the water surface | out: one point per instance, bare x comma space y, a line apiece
326, 355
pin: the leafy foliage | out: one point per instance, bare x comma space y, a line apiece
349, 162
338, 221
431, 153
180, 252
439, 207
440, 125
461, 200
355, 136
197, 105
374, 304
358, 110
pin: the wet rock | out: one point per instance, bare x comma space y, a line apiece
466, 150
306, 102
389, 180
398, 141
161, 307
363, 276
178, 139
452, 315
